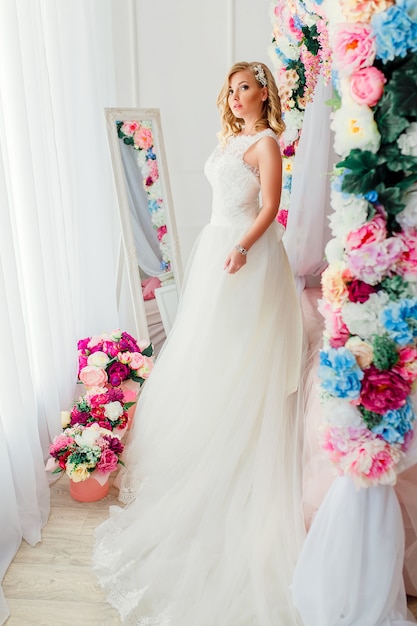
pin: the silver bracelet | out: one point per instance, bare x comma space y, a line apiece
241, 249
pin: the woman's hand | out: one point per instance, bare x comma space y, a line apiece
234, 262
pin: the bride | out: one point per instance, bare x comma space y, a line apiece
213, 525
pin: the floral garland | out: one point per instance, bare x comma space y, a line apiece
300, 53
139, 135
368, 364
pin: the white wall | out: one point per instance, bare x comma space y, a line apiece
173, 55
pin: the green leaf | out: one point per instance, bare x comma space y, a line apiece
148, 351
390, 198
364, 175
137, 379
407, 182
403, 88
390, 123
127, 405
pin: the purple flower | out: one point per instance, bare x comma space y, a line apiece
117, 373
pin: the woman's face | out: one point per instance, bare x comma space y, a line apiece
245, 95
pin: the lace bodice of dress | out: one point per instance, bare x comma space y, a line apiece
235, 183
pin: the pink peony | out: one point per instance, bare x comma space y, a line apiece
162, 230
372, 231
360, 291
383, 390
136, 361
129, 128
143, 138
353, 47
83, 344
92, 376
373, 261
339, 332
110, 348
82, 362
117, 373
108, 461
367, 85
407, 364
407, 264
59, 444
362, 10
282, 217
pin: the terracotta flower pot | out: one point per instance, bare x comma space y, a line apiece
89, 490
131, 391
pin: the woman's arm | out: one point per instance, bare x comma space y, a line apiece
266, 156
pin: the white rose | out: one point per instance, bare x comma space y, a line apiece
349, 214
334, 250
339, 412
65, 418
361, 350
407, 142
362, 318
354, 127
113, 410
98, 359
408, 216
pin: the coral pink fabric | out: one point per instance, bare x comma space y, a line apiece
148, 287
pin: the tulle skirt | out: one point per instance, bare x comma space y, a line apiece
214, 526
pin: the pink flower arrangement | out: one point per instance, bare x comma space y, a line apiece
370, 312
366, 457
367, 85
407, 263
383, 390
83, 449
140, 137
112, 358
362, 10
353, 47
100, 405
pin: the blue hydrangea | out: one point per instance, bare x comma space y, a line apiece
400, 320
281, 56
335, 80
371, 196
339, 373
150, 154
394, 31
396, 423
287, 183
153, 205
164, 265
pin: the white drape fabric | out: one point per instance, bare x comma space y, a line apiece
307, 229
350, 569
58, 235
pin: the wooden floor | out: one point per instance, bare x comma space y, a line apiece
52, 584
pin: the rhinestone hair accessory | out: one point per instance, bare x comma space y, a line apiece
258, 70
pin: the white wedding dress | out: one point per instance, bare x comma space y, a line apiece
215, 530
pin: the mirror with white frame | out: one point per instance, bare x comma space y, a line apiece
150, 268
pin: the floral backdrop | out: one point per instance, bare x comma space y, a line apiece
300, 54
139, 135
368, 364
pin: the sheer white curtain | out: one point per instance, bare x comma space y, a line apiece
58, 236
307, 229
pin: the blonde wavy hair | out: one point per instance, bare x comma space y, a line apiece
271, 116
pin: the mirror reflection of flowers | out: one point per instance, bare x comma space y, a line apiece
81, 451
112, 358
100, 405
139, 135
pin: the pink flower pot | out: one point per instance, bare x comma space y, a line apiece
131, 391
89, 490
